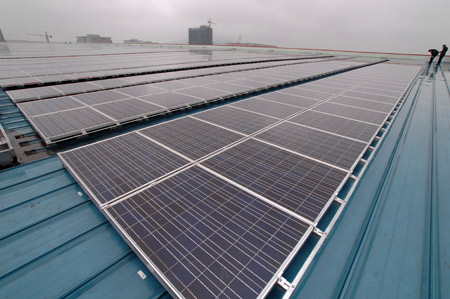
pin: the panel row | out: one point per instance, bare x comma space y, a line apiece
60, 118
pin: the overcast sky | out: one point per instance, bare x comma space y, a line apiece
406, 26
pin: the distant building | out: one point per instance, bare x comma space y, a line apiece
94, 38
201, 36
133, 41
2, 38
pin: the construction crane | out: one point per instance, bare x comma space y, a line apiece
46, 35
210, 22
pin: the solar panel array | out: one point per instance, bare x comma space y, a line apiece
19, 71
44, 92
219, 202
61, 118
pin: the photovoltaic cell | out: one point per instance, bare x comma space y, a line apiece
377, 106
355, 113
190, 137
49, 106
296, 183
141, 90
170, 99
236, 119
208, 238
267, 107
203, 92
100, 97
113, 167
372, 97
336, 150
289, 99
71, 121
338, 125
307, 93
121, 110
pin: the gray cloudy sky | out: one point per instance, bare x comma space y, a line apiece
407, 26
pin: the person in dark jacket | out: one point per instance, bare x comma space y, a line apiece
433, 53
443, 51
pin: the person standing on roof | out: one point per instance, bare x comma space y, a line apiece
433, 53
443, 52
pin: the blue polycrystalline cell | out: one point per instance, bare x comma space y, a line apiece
49, 106
170, 99
64, 123
128, 109
372, 97
299, 184
289, 99
355, 113
141, 90
332, 149
100, 97
245, 122
208, 238
267, 107
337, 125
190, 137
113, 167
367, 104
204, 93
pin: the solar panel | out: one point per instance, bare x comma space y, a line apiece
114, 167
170, 99
372, 105
241, 121
100, 97
207, 238
68, 123
332, 149
372, 97
365, 115
296, 183
267, 107
49, 106
141, 90
128, 109
307, 93
190, 137
338, 125
203, 92
289, 99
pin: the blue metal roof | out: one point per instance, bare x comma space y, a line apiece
55, 242
390, 241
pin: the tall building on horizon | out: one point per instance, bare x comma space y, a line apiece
202, 35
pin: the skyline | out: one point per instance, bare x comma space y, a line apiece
384, 26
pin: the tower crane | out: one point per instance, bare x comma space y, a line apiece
46, 35
211, 22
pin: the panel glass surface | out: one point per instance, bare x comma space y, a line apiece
113, 167
338, 125
100, 97
296, 183
372, 105
289, 99
49, 106
70, 121
208, 238
355, 113
372, 97
267, 107
336, 150
127, 109
190, 137
170, 99
236, 119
